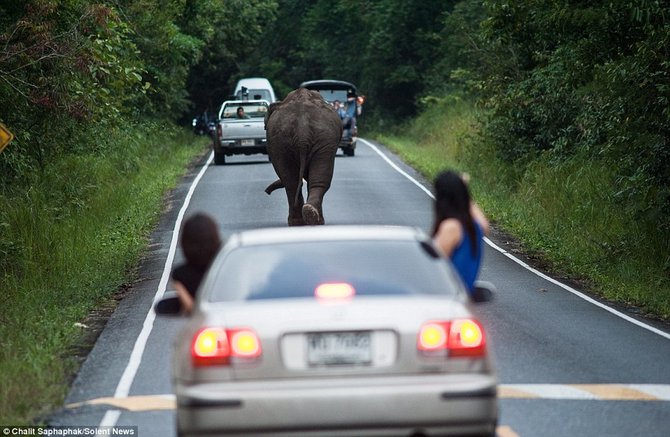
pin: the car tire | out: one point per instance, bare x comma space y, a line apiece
349, 151
219, 158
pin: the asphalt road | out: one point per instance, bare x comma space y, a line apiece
567, 366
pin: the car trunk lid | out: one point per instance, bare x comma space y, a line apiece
359, 336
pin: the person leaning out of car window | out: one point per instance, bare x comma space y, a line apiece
240, 113
459, 226
351, 110
200, 242
339, 109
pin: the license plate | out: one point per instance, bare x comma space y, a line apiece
248, 142
339, 348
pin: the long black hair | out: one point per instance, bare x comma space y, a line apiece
452, 200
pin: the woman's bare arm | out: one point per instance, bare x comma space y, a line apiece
449, 235
185, 297
478, 216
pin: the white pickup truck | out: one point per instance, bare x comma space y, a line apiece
240, 129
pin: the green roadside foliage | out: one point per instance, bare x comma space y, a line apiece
68, 241
566, 212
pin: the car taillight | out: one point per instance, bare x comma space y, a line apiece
457, 338
217, 346
466, 338
244, 343
433, 336
219, 131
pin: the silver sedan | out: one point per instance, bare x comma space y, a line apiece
332, 330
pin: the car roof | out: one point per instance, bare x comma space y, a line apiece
328, 84
327, 233
244, 102
261, 82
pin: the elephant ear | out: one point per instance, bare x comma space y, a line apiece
271, 109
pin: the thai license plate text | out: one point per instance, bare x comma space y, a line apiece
339, 348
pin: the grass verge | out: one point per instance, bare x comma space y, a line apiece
565, 213
68, 241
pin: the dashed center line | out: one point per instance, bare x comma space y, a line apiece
596, 392
505, 431
133, 403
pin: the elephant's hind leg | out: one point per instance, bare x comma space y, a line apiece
296, 215
311, 215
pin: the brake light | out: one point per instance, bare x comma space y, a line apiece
244, 343
456, 338
217, 346
433, 336
210, 346
338, 290
219, 131
466, 338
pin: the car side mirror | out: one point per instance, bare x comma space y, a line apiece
168, 306
483, 292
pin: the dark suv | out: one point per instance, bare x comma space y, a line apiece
344, 96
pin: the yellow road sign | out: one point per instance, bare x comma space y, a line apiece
5, 137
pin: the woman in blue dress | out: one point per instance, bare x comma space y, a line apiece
459, 226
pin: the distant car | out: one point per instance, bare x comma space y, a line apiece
332, 330
347, 94
203, 124
255, 88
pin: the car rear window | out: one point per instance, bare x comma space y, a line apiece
295, 270
331, 95
251, 109
254, 95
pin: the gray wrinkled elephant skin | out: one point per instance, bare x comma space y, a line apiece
303, 134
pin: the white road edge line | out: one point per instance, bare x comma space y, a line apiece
523, 264
128, 376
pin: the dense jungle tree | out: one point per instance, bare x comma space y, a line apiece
73, 71
587, 79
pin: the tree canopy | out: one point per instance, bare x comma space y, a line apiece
72, 71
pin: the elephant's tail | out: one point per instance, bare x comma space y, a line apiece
274, 186
301, 174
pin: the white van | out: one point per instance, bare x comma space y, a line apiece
255, 88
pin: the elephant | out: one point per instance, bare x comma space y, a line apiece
303, 135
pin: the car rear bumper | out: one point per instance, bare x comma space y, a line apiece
235, 147
431, 404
